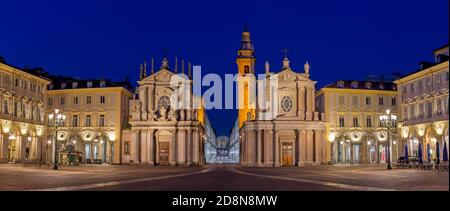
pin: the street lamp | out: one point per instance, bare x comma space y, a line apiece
56, 121
388, 121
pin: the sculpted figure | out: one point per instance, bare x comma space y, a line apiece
162, 113
172, 115
151, 115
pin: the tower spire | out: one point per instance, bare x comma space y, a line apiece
307, 67
189, 69
267, 67
144, 72
246, 43
176, 64
182, 66
141, 72
153, 66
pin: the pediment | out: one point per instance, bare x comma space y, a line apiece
289, 75
161, 75
7, 94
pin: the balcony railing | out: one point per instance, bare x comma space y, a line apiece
435, 117
20, 119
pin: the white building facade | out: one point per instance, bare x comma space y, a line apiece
161, 133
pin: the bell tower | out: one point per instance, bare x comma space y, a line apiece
246, 80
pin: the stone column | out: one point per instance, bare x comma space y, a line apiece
21, 148
195, 146
91, 152
247, 147
189, 147
303, 149
258, 147
173, 150
318, 146
150, 100
144, 94
151, 147
324, 144
244, 145
311, 99
276, 144
134, 150
181, 147
156, 150
363, 150
143, 147
32, 149
267, 148
3, 148
309, 146
297, 147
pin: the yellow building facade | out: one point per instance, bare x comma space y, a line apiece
424, 108
96, 113
352, 110
22, 114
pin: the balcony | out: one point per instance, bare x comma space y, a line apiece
435, 117
20, 119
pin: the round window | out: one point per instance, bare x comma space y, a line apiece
164, 101
286, 104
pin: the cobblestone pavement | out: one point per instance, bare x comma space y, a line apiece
220, 178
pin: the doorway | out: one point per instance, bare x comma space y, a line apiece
164, 152
286, 154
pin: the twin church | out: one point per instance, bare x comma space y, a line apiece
287, 132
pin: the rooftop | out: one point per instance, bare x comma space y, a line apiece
366, 85
38, 72
62, 82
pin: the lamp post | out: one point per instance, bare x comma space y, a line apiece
388, 121
56, 121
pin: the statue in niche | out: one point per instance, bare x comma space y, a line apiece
151, 115
162, 113
182, 115
136, 107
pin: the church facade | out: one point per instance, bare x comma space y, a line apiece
287, 131
161, 133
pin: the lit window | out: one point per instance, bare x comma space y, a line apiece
101, 121
88, 121
341, 121
368, 100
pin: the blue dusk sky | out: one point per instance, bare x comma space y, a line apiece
346, 39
